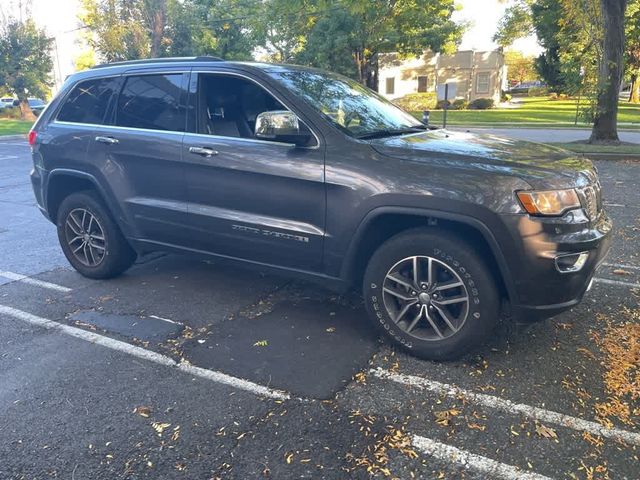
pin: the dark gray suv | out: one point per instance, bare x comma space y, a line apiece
312, 173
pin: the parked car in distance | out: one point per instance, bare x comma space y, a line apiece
311, 173
523, 88
6, 102
37, 105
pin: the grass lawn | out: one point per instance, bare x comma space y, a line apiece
533, 112
14, 127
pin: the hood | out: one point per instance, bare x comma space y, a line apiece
538, 164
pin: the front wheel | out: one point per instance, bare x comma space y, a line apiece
431, 294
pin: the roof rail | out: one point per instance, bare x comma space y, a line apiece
146, 61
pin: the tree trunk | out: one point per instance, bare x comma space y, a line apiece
25, 111
605, 124
158, 23
358, 57
634, 94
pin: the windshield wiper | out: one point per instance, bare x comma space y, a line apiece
391, 132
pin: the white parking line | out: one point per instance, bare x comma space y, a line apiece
144, 354
619, 283
508, 406
32, 281
471, 461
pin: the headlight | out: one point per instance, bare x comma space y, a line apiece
551, 202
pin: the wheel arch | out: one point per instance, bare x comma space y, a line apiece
63, 182
384, 222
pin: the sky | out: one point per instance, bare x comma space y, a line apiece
484, 16
59, 18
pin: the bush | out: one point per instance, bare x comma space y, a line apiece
460, 104
553, 96
506, 97
440, 104
10, 112
482, 104
417, 101
537, 91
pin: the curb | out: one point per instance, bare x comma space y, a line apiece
13, 137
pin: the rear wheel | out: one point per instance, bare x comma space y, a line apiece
90, 238
430, 293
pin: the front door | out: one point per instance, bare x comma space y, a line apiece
258, 200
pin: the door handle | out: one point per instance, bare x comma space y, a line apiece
204, 151
107, 140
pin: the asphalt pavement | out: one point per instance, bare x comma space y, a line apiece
184, 369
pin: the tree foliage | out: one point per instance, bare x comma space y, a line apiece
520, 68
25, 62
343, 35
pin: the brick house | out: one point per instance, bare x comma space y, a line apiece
476, 74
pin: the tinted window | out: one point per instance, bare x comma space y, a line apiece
88, 101
152, 101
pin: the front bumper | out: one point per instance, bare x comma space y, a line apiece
542, 289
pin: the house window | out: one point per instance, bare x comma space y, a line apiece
391, 86
423, 84
482, 83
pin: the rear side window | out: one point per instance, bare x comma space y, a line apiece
153, 102
88, 101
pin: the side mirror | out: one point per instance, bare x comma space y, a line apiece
281, 126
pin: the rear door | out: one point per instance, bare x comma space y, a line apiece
140, 155
252, 199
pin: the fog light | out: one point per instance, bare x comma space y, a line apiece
572, 262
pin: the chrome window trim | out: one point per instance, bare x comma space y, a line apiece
215, 71
171, 132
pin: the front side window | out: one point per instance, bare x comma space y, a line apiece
228, 105
88, 101
154, 102
482, 85
352, 107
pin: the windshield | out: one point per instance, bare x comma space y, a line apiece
355, 109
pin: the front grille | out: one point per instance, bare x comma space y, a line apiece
590, 200
591, 196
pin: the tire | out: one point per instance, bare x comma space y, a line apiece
97, 259
456, 272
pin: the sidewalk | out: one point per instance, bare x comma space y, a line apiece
545, 135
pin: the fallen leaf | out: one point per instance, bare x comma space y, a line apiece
619, 271
261, 343
330, 329
546, 431
143, 411
160, 427
288, 458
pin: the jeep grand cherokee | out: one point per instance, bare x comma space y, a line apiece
312, 173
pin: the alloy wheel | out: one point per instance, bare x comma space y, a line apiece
425, 298
85, 237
